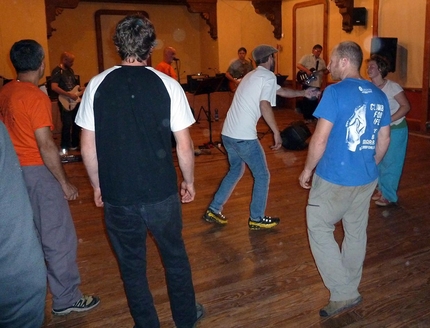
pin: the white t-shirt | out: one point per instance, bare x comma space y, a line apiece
391, 89
244, 113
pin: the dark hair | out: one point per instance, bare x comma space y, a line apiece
317, 46
26, 55
242, 49
263, 60
134, 38
352, 51
382, 63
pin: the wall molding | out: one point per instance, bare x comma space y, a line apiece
272, 10
53, 8
346, 8
206, 9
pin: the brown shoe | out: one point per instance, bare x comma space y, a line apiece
335, 307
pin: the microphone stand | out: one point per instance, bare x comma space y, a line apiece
177, 70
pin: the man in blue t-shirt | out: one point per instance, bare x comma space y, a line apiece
350, 139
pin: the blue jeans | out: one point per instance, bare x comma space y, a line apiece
127, 227
241, 152
391, 167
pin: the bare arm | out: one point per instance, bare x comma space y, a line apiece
291, 93
231, 78
57, 89
185, 152
89, 157
51, 159
269, 117
404, 106
317, 147
382, 143
303, 68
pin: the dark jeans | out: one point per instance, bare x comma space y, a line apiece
70, 132
127, 227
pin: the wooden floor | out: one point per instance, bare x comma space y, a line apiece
258, 279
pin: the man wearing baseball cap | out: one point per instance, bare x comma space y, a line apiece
254, 98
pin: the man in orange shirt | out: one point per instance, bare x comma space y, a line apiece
165, 66
26, 113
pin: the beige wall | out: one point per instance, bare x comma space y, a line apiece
395, 20
407, 23
238, 25
174, 26
20, 19
209, 52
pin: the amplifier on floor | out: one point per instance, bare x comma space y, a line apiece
294, 137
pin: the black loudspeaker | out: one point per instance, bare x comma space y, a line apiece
385, 47
194, 81
359, 16
294, 137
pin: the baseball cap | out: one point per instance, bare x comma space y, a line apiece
262, 51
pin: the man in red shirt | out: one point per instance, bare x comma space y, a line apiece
165, 66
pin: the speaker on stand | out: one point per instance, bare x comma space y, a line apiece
385, 47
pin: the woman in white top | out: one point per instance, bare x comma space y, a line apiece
391, 166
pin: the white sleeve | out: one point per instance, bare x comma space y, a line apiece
85, 116
268, 91
181, 115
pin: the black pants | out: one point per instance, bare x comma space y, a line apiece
308, 106
70, 132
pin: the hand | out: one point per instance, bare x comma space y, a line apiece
312, 93
73, 96
187, 192
305, 178
98, 197
278, 141
70, 191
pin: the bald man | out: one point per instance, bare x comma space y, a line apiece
64, 82
166, 65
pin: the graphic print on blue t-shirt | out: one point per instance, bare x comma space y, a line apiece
357, 110
355, 127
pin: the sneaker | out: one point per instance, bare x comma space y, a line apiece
211, 216
376, 195
85, 303
266, 222
383, 202
200, 313
335, 307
